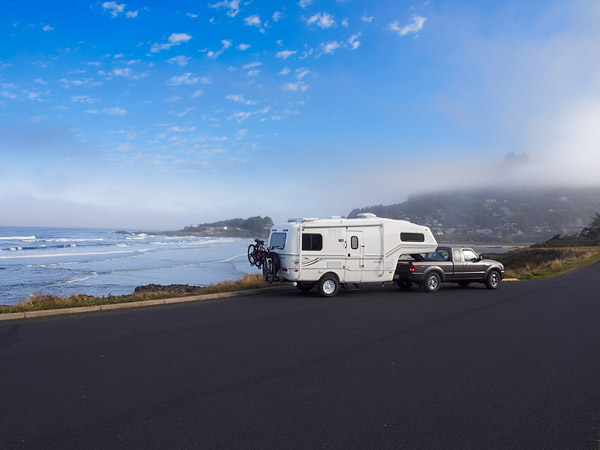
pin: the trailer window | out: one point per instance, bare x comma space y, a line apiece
312, 242
412, 237
278, 240
354, 242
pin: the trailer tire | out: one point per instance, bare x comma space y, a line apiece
329, 286
431, 283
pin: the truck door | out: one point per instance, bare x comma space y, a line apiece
459, 265
355, 252
474, 268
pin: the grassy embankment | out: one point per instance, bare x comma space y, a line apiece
41, 301
539, 263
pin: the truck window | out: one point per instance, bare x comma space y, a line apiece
278, 240
412, 237
457, 256
470, 255
312, 242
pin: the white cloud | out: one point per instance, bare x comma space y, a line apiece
47, 28
243, 47
294, 87
226, 43
301, 73
131, 14
182, 129
284, 71
174, 39
304, 3
172, 99
39, 81
82, 99
354, 42
198, 93
253, 73
253, 21
232, 5
10, 95
345, 23
277, 16
119, 72
322, 20
186, 78
285, 54
115, 111
251, 65
414, 27
239, 99
192, 15
180, 60
114, 8
367, 19
330, 47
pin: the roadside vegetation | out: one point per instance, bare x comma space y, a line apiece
40, 301
539, 263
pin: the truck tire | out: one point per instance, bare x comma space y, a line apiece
493, 280
404, 285
328, 286
431, 283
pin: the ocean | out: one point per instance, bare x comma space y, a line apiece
65, 261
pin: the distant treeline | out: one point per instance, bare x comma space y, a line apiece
256, 226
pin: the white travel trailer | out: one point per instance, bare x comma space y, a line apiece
331, 252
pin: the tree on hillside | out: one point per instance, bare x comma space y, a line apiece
592, 231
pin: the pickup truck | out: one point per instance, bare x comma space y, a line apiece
452, 264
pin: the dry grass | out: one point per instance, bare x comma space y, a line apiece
40, 301
540, 263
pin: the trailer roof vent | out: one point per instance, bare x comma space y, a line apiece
366, 216
335, 217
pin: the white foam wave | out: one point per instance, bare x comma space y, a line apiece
73, 240
18, 238
60, 255
79, 280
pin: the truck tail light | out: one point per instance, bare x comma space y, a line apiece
411, 268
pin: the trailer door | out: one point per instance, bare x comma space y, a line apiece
355, 255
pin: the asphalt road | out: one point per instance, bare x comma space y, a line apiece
515, 368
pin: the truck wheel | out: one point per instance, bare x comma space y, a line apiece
493, 280
431, 283
328, 286
404, 285
464, 283
305, 287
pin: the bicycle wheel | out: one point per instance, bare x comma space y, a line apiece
251, 257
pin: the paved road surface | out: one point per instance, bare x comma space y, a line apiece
516, 368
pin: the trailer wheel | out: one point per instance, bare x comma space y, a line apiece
328, 286
431, 283
404, 285
305, 287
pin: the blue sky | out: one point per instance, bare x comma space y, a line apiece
147, 114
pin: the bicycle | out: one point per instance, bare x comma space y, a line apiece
261, 257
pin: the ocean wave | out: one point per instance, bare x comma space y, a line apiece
18, 238
60, 255
79, 280
74, 240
